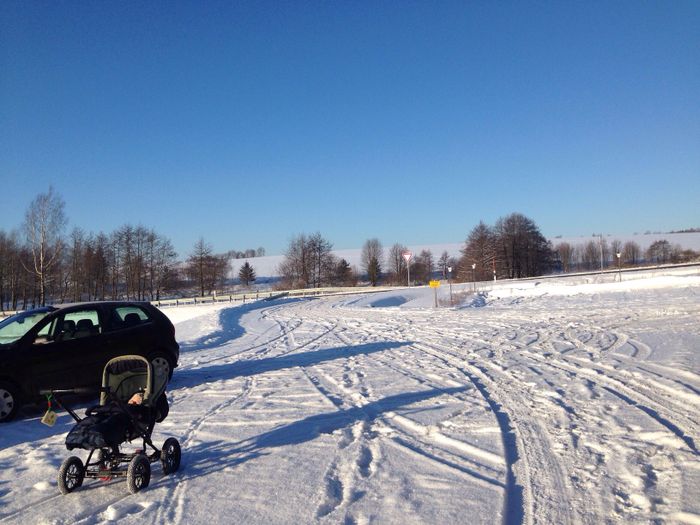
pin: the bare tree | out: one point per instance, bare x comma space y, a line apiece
521, 249
11, 270
371, 260
44, 222
161, 260
207, 269
590, 255
77, 264
565, 252
479, 250
631, 253
294, 268
322, 261
615, 248
423, 266
308, 262
397, 269
444, 263
660, 252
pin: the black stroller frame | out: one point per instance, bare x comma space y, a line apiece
108, 425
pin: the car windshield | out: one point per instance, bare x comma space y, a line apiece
13, 328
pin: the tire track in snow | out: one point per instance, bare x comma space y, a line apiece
673, 421
521, 502
627, 502
434, 445
171, 509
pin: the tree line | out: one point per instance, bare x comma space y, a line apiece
514, 247
40, 263
597, 254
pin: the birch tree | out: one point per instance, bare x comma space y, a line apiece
44, 223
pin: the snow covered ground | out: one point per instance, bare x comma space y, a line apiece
567, 401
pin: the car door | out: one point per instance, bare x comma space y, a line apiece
130, 330
67, 353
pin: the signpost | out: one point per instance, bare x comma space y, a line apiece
449, 280
407, 256
435, 285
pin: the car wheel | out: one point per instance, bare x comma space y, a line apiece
9, 401
161, 365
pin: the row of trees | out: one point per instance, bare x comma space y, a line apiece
596, 254
309, 263
246, 254
41, 263
135, 262
514, 247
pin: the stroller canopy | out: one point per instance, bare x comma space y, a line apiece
128, 374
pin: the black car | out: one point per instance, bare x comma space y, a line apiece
68, 347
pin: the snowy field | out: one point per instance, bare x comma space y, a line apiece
554, 402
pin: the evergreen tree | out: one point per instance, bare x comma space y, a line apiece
479, 250
246, 274
344, 276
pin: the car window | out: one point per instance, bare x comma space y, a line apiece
76, 325
128, 316
13, 328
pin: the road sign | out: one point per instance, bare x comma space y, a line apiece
434, 284
407, 255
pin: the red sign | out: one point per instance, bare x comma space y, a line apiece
407, 255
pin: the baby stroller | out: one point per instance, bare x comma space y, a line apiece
132, 401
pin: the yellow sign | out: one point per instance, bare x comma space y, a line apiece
434, 284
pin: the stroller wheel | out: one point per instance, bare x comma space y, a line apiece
170, 456
138, 475
70, 475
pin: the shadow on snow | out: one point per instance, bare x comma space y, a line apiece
205, 458
231, 327
249, 367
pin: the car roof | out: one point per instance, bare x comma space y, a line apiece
64, 306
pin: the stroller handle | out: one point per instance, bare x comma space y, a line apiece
79, 391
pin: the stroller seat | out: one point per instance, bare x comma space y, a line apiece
114, 420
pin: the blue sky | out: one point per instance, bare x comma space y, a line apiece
250, 122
